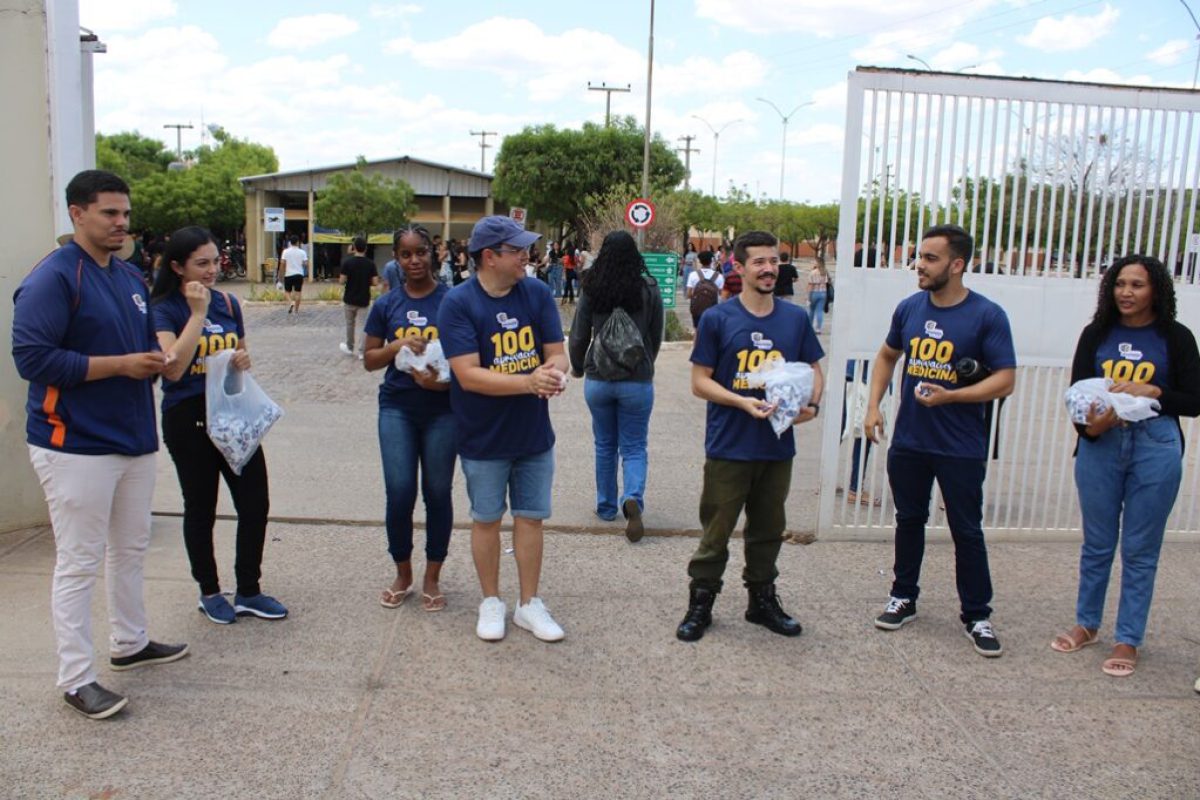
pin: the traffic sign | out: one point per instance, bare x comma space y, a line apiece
517, 215
640, 213
273, 220
664, 268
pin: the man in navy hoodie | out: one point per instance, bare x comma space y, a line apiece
84, 339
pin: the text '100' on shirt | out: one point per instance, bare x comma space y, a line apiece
933, 339
396, 315
734, 344
509, 335
223, 330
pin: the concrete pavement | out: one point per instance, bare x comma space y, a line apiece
346, 699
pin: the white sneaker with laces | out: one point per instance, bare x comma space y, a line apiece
345, 348
490, 627
535, 618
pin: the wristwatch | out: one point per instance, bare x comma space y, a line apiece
816, 408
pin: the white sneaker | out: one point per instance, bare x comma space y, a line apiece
535, 618
345, 348
490, 627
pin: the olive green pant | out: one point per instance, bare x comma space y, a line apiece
761, 487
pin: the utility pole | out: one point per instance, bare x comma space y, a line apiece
646, 141
179, 138
687, 151
608, 90
483, 145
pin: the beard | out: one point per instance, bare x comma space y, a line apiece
939, 282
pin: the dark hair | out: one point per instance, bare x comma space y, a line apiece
293, 240
1161, 283
615, 279
959, 241
423, 232
84, 187
785, 257
705, 258
179, 249
752, 239
360, 244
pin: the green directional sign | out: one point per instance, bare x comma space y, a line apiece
664, 268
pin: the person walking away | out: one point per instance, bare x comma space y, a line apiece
295, 266
620, 399
703, 288
193, 321
1128, 473
358, 275
818, 284
83, 338
416, 425
784, 285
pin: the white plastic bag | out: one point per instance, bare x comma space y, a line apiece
239, 413
788, 385
1093, 395
432, 359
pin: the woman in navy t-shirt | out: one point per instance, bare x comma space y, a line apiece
1128, 474
194, 322
416, 426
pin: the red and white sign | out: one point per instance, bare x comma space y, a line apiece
640, 213
517, 215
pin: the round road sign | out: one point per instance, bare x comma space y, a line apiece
640, 213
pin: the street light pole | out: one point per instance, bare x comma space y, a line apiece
783, 154
1196, 22
920, 61
716, 132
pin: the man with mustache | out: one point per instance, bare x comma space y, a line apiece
941, 430
84, 339
746, 465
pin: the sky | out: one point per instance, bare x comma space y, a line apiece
324, 82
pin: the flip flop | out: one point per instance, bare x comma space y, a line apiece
1118, 667
1072, 644
392, 599
433, 602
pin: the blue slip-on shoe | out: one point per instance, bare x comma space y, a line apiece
260, 605
217, 609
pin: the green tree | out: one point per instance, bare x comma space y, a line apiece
553, 172
131, 155
360, 204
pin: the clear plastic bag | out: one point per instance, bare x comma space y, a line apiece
431, 359
1093, 395
239, 412
788, 386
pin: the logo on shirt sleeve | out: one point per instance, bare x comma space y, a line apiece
140, 302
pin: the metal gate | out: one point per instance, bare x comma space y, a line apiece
1054, 180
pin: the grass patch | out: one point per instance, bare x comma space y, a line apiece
675, 330
267, 294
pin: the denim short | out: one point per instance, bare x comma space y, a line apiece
528, 480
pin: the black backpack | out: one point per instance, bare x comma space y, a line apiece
704, 295
617, 348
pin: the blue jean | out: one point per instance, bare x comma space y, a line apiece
555, 274
911, 477
526, 481
408, 438
620, 425
1127, 481
816, 308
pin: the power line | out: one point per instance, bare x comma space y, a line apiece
687, 151
483, 145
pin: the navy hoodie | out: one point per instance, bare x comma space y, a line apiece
67, 309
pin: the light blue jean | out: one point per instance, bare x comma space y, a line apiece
555, 275
1127, 481
408, 439
816, 308
620, 425
526, 481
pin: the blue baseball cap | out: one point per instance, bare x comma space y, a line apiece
491, 232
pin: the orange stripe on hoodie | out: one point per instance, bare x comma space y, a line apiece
58, 436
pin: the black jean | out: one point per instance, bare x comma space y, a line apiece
199, 465
911, 476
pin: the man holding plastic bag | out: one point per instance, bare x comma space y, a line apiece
945, 332
750, 341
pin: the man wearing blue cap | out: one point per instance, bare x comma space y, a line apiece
504, 340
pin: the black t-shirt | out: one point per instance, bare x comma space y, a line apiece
359, 270
787, 277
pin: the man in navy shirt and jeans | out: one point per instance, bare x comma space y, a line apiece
941, 430
503, 338
84, 338
747, 466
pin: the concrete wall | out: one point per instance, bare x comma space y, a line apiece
32, 210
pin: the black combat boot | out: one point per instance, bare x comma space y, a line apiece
764, 609
699, 614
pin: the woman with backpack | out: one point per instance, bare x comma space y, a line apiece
614, 342
193, 321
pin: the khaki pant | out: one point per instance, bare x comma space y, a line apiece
352, 313
761, 488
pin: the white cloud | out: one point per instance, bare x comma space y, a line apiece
1106, 75
105, 17
1170, 53
827, 18
393, 10
1070, 31
303, 32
